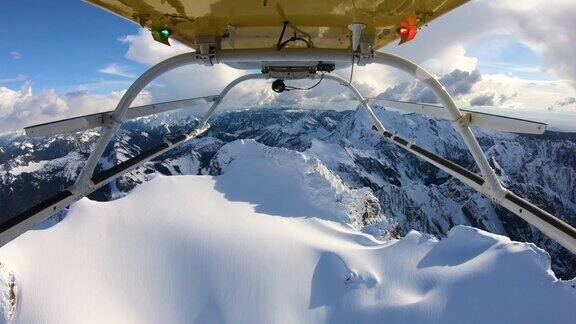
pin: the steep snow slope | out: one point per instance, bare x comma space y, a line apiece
249, 246
317, 188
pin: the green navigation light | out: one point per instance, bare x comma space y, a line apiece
165, 32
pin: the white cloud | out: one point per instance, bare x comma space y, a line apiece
458, 83
498, 90
514, 92
452, 58
18, 78
545, 27
20, 108
15, 55
117, 70
564, 104
548, 28
441, 46
142, 48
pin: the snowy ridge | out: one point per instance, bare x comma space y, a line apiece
69, 165
226, 249
8, 293
248, 161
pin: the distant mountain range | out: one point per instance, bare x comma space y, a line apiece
412, 194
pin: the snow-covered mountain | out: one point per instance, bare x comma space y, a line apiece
272, 239
412, 194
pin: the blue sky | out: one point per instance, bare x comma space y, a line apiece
505, 54
50, 48
60, 44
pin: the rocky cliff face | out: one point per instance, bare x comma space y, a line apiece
412, 193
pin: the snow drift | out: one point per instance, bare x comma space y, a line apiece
267, 241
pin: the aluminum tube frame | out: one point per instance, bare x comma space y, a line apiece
218, 101
29, 218
285, 55
117, 117
553, 227
360, 98
81, 123
548, 224
490, 183
493, 122
83, 184
39, 212
458, 121
337, 55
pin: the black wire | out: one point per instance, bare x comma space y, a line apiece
293, 39
279, 45
288, 88
351, 69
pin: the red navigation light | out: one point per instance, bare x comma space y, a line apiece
407, 28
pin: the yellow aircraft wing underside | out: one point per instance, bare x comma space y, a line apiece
258, 23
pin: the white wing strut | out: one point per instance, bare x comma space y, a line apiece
22, 222
555, 228
473, 118
81, 123
487, 182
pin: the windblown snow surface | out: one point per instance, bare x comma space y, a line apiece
270, 240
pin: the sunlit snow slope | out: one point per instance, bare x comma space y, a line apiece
270, 240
